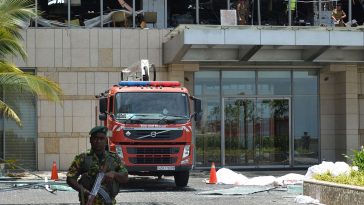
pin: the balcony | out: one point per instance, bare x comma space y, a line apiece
171, 13
198, 43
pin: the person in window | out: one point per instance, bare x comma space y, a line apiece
306, 141
338, 16
242, 9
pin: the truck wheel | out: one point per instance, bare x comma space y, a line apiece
181, 178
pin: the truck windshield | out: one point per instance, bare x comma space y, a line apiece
145, 107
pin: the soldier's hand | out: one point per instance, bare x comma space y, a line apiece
109, 176
87, 192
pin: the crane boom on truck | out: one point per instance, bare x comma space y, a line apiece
150, 123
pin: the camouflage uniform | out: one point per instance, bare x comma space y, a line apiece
88, 165
243, 12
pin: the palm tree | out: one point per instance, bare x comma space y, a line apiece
15, 14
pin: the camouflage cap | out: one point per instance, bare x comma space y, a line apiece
97, 129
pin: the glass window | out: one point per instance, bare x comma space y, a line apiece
306, 143
77, 12
274, 82
304, 102
181, 12
87, 13
238, 82
19, 142
210, 11
152, 103
154, 13
53, 13
207, 83
273, 12
305, 82
208, 133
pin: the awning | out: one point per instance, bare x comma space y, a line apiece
206, 43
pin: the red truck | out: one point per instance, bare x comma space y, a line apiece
150, 123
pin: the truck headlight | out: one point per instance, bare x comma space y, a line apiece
186, 151
119, 151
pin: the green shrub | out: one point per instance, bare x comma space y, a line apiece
358, 158
354, 178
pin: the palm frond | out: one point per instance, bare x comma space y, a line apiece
6, 67
37, 85
14, 15
7, 112
16, 12
10, 45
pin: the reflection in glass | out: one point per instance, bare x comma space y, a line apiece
20, 142
272, 128
239, 132
238, 82
256, 131
207, 83
257, 128
305, 82
306, 143
274, 82
208, 134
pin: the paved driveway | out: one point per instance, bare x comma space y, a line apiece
151, 191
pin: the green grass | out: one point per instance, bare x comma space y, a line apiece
355, 178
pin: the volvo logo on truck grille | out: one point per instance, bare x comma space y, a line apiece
153, 133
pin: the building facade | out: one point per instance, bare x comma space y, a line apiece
273, 97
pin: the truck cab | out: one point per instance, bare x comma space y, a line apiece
150, 127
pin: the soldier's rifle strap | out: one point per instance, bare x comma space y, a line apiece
82, 192
105, 196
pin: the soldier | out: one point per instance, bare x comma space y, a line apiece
90, 163
243, 12
338, 16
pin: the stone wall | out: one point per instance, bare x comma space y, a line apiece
84, 62
333, 194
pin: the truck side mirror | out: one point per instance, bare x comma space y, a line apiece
103, 105
102, 116
198, 109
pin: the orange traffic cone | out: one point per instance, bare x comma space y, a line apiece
54, 175
213, 178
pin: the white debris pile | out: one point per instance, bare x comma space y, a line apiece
227, 176
289, 179
261, 181
335, 169
302, 199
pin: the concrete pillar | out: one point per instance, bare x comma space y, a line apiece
361, 103
339, 111
177, 72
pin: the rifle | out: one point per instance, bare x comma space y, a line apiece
95, 188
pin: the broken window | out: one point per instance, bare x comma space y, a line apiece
171, 13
